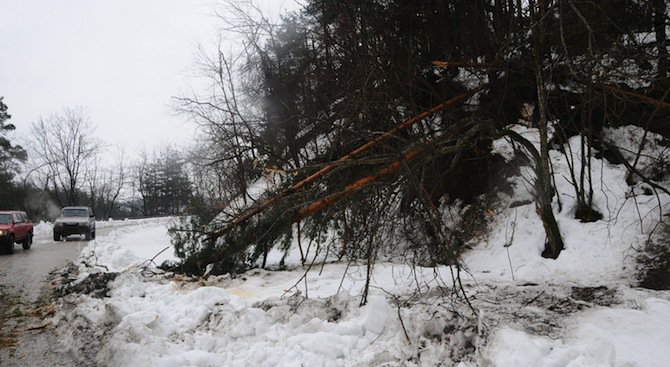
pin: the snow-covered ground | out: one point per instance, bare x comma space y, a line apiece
580, 310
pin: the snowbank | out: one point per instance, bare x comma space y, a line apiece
603, 337
597, 253
130, 243
579, 310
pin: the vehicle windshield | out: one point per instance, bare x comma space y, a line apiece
5, 218
75, 213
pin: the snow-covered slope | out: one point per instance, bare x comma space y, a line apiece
582, 309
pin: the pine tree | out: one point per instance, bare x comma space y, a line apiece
11, 156
340, 74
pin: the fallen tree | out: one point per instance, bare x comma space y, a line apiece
329, 167
224, 243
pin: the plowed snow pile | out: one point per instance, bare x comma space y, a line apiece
582, 309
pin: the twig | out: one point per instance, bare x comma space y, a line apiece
95, 263
402, 323
509, 243
304, 276
534, 299
339, 287
615, 150
155, 256
40, 327
462, 288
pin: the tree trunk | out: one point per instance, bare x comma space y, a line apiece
543, 188
661, 38
329, 167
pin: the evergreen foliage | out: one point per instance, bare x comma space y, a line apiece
337, 75
11, 156
164, 185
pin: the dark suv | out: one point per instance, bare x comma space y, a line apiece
15, 227
75, 220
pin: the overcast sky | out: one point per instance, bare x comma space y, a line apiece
121, 60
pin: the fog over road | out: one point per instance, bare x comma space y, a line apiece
24, 280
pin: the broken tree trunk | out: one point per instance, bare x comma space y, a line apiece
455, 133
457, 136
251, 212
639, 97
331, 199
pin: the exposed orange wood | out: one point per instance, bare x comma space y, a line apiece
331, 199
387, 135
447, 64
264, 204
454, 131
640, 97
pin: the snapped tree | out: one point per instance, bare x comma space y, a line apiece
330, 103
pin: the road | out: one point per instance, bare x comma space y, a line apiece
25, 337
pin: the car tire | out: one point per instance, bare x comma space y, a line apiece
93, 235
9, 246
87, 235
27, 242
57, 236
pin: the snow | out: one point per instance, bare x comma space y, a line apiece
127, 246
605, 337
596, 253
530, 311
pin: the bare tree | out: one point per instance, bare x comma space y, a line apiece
226, 120
105, 184
543, 187
66, 148
138, 180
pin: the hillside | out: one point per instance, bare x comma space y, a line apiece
583, 309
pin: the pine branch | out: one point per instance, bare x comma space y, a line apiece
301, 185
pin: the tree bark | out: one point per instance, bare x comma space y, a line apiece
246, 215
660, 8
543, 189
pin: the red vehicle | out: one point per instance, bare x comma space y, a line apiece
15, 227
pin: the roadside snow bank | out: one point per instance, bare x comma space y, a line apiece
580, 307
175, 323
262, 318
602, 337
130, 243
43, 230
250, 320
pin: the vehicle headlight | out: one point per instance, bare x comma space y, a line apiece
2, 233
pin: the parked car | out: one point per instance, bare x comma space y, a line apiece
15, 227
75, 220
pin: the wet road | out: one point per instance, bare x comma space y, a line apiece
25, 272
25, 336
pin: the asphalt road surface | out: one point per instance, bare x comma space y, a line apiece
26, 338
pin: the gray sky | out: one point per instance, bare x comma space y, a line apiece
121, 60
